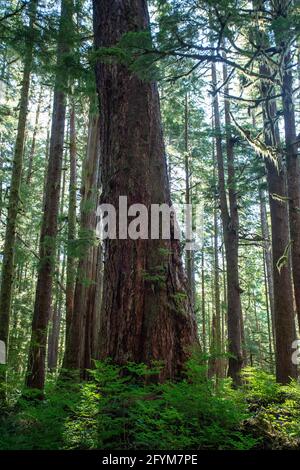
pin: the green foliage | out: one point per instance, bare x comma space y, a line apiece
260, 386
125, 408
133, 50
38, 424
128, 411
276, 409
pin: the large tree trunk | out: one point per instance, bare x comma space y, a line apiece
229, 218
281, 10
13, 204
146, 314
37, 352
293, 175
283, 289
284, 317
285, 332
1, 177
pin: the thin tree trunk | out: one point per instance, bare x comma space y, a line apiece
37, 352
230, 231
215, 348
268, 255
189, 258
203, 306
146, 314
269, 319
34, 135
71, 260
257, 332
214, 363
56, 310
233, 211
53, 339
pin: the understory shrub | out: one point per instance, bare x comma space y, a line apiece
275, 410
124, 408
127, 411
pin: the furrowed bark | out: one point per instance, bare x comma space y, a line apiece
146, 313
284, 317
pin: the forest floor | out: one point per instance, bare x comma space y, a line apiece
117, 411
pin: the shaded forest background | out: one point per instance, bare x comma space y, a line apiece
85, 93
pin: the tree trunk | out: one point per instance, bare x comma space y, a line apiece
293, 175
283, 289
189, 258
33, 142
13, 203
56, 310
53, 337
267, 256
1, 176
203, 306
37, 352
71, 260
285, 331
146, 314
230, 231
215, 347
281, 11
78, 339
269, 318
233, 210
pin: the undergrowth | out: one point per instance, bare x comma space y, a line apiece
119, 408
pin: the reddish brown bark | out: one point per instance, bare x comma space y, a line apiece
37, 352
71, 259
81, 343
189, 258
144, 315
268, 262
293, 175
281, 10
285, 331
229, 216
